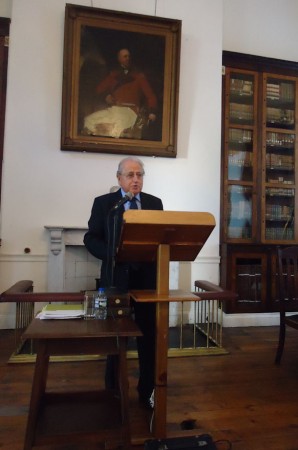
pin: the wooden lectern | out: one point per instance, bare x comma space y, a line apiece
162, 236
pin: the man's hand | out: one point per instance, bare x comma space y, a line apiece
152, 117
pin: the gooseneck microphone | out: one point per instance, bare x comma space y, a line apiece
127, 197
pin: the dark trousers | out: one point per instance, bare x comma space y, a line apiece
140, 277
145, 318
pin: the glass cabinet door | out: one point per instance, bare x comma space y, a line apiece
240, 154
241, 108
249, 281
239, 212
279, 217
279, 159
280, 103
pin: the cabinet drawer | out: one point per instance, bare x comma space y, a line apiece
119, 311
118, 300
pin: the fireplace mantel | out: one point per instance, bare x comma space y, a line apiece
71, 267
61, 235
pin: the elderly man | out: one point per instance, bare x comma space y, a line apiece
99, 240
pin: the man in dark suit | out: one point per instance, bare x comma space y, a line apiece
101, 241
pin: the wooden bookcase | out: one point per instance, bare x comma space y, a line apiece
259, 183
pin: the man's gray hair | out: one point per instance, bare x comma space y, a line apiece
129, 158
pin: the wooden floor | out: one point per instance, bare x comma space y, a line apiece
241, 397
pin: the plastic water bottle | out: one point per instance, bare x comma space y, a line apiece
101, 305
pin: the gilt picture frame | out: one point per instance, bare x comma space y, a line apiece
120, 82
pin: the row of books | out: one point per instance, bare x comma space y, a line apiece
240, 158
280, 91
283, 162
280, 192
241, 87
280, 139
274, 234
241, 112
272, 138
278, 212
283, 91
280, 234
240, 136
280, 116
280, 179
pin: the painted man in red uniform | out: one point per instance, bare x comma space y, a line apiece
130, 101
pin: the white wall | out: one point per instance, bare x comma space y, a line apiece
265, 28
5, 8
44, 186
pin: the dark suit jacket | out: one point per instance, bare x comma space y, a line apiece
99, 240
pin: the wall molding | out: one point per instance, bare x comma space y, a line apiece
251, 320
23, 258
207, 259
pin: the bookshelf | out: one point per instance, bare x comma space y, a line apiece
258, 175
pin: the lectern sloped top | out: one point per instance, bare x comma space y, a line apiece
144, 230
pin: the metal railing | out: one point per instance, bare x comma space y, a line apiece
200, 334
206, 327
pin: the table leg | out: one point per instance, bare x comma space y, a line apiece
38, 389
161, 350
123, 386
161, 371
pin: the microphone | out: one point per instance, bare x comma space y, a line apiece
127, 197
114, 188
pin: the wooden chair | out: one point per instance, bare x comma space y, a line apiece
287, 277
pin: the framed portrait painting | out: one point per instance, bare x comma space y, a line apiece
120, 82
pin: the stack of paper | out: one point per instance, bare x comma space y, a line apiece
65, 311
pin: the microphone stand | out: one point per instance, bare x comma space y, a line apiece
115, 225
112, 259
112, 288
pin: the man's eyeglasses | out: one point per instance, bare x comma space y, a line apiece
131, 175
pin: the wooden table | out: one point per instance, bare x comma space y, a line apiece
66, 418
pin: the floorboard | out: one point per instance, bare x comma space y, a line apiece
240, 397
